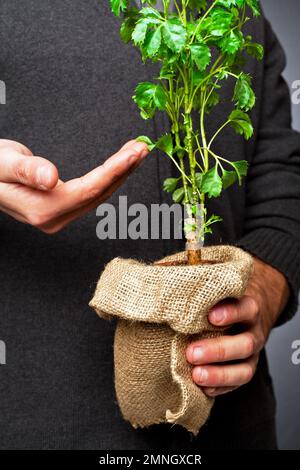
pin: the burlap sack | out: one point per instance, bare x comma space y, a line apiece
160, 309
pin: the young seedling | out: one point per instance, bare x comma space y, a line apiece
198, 44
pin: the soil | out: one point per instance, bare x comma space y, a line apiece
185, 263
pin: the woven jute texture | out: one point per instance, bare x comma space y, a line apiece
160, 309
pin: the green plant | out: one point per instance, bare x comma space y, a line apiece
198, 46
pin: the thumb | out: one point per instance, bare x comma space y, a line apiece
35, 172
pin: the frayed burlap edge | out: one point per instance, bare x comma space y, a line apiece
161, 308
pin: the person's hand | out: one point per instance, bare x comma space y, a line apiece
224, 364
31, 191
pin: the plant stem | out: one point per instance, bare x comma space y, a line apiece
217, 133
188, 125
203, 134
180, 154
202, 18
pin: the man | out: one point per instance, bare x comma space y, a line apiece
69, 83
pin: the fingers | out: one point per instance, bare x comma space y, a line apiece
81, 191
60, 222
52, 210
11, 144
206, 354
223, 349
35, 172
232, 375
227, 313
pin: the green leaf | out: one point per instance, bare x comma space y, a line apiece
197, 4
241, 123
165, 143
144, 138
255, 50
198, 177
178, 195
128, 24
241, 168
170, 184
198, 77
219, 23
139, 32
244, 96
254, 5
213, 219
231, 43
201, 55
118, 5
231, 3
153, 42
151, 13
149, 97
166, 72
212, 183
174, 34
228, 178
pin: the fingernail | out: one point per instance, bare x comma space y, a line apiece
218, 315
43, 177
210, 391
202, 375
198, 354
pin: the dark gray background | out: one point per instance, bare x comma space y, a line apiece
284, 17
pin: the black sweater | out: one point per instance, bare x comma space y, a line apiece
69, 82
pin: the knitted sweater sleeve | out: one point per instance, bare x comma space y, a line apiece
272, 221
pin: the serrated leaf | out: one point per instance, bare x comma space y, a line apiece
118, 5
178, 195
146, 140
166, 72
149, 97
241, 168
128, 24
201, 55
229, 178
241, 123
231, 3
174, 34
139, 32
244, 96
254, 5
153, 42
255, 50
220, 22
170, 184
165, 143
231, 43
212, 183
213, 219
149, 12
